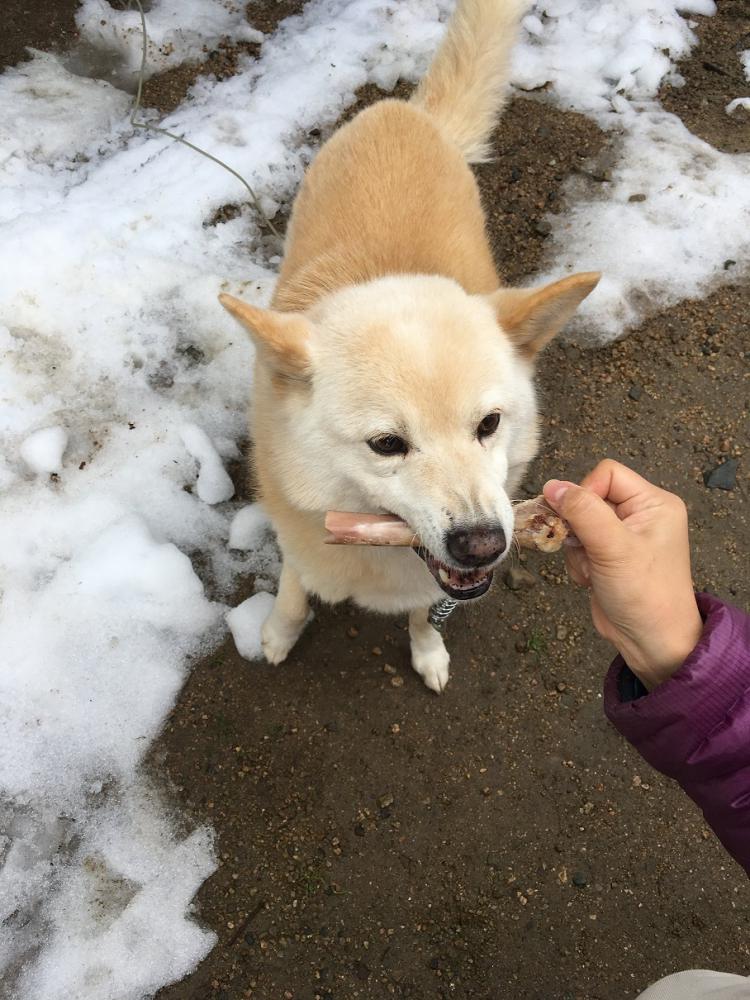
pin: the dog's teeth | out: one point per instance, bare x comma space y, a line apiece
443, 574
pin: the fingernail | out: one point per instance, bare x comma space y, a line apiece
555, 490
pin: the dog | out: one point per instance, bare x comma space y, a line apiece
393, 373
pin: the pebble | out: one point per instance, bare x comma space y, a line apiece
389, 669
561, 686
723, 477
635, 392
637, 197
385, 800
518, 578
561, 632
352, 631
397, 682
377, 651
542, 228
580, 879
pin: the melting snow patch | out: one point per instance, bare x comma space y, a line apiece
692, 210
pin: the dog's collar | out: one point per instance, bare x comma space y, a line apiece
440, 612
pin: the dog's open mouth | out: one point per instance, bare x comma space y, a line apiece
461, 585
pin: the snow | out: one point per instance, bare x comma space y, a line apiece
178, 31
248, 527
213, 482
738, 102
245, 623
608, 60
43, 450
122, 375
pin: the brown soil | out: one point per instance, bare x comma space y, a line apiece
713, 78
501, 841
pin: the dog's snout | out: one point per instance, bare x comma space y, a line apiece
476, 546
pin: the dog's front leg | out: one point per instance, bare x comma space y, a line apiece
429, 657
288, 615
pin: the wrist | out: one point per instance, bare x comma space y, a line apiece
655, 659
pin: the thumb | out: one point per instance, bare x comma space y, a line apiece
594, 523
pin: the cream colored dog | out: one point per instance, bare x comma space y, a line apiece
393, 374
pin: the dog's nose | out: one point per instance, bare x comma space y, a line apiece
476, 546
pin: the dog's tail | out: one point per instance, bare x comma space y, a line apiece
464, 90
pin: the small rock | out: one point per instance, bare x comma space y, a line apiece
352, 631
637, 197
361, 971
515, 174
635, 392
518, 578
542, 228
389, 669
580, 879
385, 800
377, 651
397, 682
561, 632
486, 791
395, 728
561, 686
723, 477
332, 726
359, 830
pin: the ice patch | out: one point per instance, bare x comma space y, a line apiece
246, 621
43, 450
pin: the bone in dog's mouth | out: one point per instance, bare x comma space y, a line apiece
536, 526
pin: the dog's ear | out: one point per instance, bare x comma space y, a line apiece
282, 338
531, 317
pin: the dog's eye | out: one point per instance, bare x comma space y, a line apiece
388, 444
488, 426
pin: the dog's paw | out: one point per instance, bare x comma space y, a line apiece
277, 642
432, 667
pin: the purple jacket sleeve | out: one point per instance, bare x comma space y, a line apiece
695, 727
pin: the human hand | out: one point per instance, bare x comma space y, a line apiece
634, 557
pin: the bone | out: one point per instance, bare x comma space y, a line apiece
536, 527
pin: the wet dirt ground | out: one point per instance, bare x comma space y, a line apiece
500, 841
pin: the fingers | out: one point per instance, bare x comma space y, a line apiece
616, 482
595, 524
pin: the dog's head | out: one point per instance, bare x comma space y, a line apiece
408, 395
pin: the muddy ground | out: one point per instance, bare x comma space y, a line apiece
500, 841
